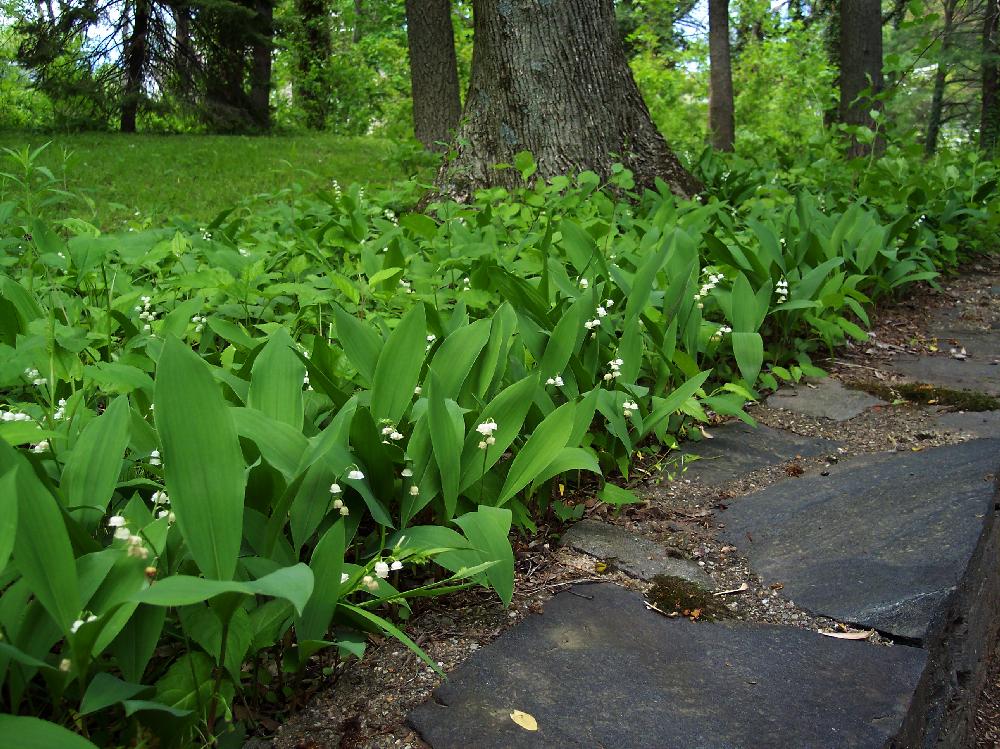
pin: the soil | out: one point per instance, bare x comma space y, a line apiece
364, 703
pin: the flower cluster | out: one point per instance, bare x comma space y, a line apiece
199, 323
390, 432
146, 312
154, 458
338, 503
722, 330
628, 407
41, 447
35, 376
134, 545
557, 381
706, 288
60, 412
161, 501
781, 291
405, 286
486, 429
615, 373
75, 626
12, 416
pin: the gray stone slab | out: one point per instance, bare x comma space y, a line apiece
597, 669
739, 449
631, 553
824, 399
978, 423
882, 541
978, 373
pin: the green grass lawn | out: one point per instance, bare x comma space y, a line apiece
145, 179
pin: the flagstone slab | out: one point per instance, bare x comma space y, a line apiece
978, 423
979, 373
739, 449
824, 399
597, 669
881, 541
631, 553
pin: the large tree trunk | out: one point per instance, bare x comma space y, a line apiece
260, 70
433, 71
940, 79
860, 68
721, 118
989, 126
135, 63
312, 52
551, 77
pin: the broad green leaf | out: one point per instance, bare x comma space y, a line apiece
360, 342
42, 550
568, 459
24, 732
294, 584
674, 401
447, 432
281, 445
106, 690
617, 496
92, 469
392, 630
276, 381
565, 337
454, 358
749, 351
135, 644
398, 368
487, 530
326, 563
8, 514
202, 459
545, 443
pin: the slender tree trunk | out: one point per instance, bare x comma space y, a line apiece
940, 79
359, 12
860, 68
260, 70
437, 106
551, 77
830, 9
989, 126
135, 63
313, 50
721, 117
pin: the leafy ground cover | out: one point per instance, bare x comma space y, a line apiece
232, 448
138, 181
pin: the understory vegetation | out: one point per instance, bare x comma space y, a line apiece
380, 395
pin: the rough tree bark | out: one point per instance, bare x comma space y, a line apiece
940, 79
135, 64
989, 125
437, 106
551, 77
260, 68
721, 117
860, 68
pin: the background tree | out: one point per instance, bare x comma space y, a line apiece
989, 127
437, 105
861, 69
721, 122
552, 78
940, 79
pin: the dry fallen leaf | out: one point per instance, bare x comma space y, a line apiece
740, 589
526, 721
849, 635
705, 434
600, 567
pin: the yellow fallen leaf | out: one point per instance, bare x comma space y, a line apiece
600, 566
849, 635
526, 721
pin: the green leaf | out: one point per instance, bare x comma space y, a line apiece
202, 459
454, 358
23, 732
8, 514
749, 351
276, 381
92, 469
565, 337
398, 368
487, 529
384, 275
106, 690
674, 401
616, 496
744, 306
447, 431
294, 584
327, 563
545, 443
281, 445
390, 629
360, 342
42, 549
569, 459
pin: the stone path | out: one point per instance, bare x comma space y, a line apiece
905, 544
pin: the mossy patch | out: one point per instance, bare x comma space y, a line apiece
931, 395
675, 596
